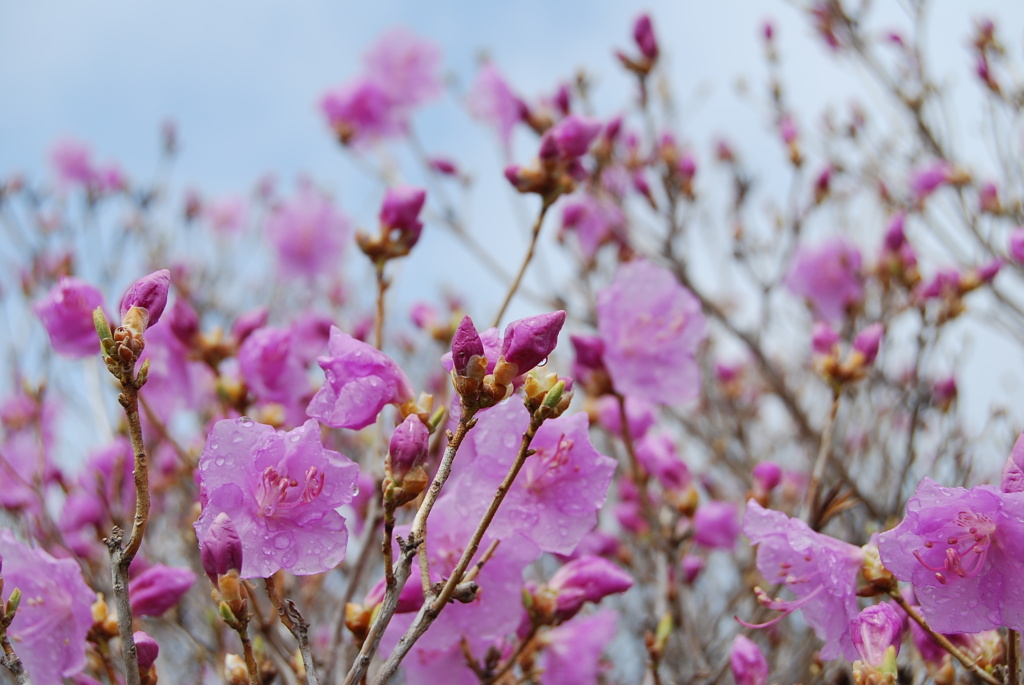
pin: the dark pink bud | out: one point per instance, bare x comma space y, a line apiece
692, 565
184, 321
589, 351
687, 166
410, 599
402, 206
1017, 245
528, 342
249, 322
874, 630
150, 293
988, 198
444, 166
572, 136
716, 525
562, 100
643, 34
868, 341
894, 235
767, 476
408, 447
987, 272
465, 344
612, 129
221, 549
1013, 471
146, 648
768, 30
823, 338
944, 391
586, 579
158, 588
748, 663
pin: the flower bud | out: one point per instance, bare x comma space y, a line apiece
408, 448
643, 34
528, 342
868, 341
67, 314
148, 293
823, 338
767, 476
1017, 245
572, 136
158, 588
716, 525
401, 210
465, 345
184, 321
221, 549
146, 648
875, 631
247, 323
586, 579
410, 598
748, 663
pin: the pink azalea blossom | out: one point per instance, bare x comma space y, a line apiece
159, 588
821, 571
748, 663
149, 293
572, 651
828, 277
657, 453
225, 215
72, 161
282, 491
1016, 245
49, 630
66, 312
716, 524
555, 499
492, 100
595, 222
406, 66
360, 381
875, 629
362, 112
26, 451
274, 371
651, 327
962, 551
927, 179
309, 235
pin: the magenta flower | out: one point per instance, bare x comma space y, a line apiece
220, 548
595, 221
26, 451
361, 112
657, 453
643, 34
400, 212
49, 630
66, 312
159, 588
651, 327
640, 417
572, 651
1016, 245
868, 342
492, 100
962, 551
555, 499
309, 235
360, 381
926, 180
274, 372
466, 344
406, 66
586, 579
828, 277
408, 448
821, 571
72, 160
282, 491
528, 342
572, 136
876, 629
748, 663
716, 525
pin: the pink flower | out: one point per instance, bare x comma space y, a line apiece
876, 629
926, 180
659, 457
309, 235
651, 327
555, 499
572, 651
962, 551
821, 571
282, 491
360, 381
491, 99
828, 277
72, 160
594, 221
643, 34
225, 215
749, 666
527, 342
1017, 245
586, 579
49, 630
274, 371
362, 112
159, 588
572, 136
406, 66
149, 293
66, 313
26, 451
716, 525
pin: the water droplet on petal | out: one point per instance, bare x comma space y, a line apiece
244, 421
219, 461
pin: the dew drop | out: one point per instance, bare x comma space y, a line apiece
219, 461
236, 438
282, 541
355, 489
244, 421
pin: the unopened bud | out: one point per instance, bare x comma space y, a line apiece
149, 293
466, 344
408, 448
221, 549
528, 342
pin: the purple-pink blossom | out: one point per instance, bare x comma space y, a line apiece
716, 524
828, 277
274, 371
282, 491
149, 293
49, 629
406, 66
595, 221
66, 313
572, 651
360, 381
309, 235
492, 100
963, 550
652, 327
362, 112
159, 588
72, 161
748, 663
821, 571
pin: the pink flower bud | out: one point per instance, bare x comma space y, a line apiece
221, 549
410, 599
868, 341
874, 630
66, 313
687, 166
158, 588
401, 209
528, 342
586, 579
1013, 471
572, 136
988, 198
692, 565
716, 525
247, 323
465, 344
895, 238
767, 476
643, 34
184, 321
444, 166
749, 666
927, 180
823, 338
149, 293
987, 272
1017, 245
408, 447
146, 648
589, 353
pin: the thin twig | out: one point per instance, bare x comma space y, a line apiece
526, 260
